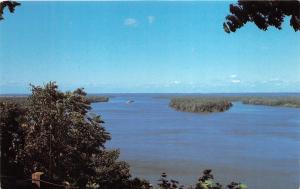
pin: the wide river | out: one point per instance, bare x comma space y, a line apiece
256, 145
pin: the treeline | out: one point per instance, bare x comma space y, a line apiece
208, 104
200, 104
22, 99
286, 101
54, 133
93, 99
206, 181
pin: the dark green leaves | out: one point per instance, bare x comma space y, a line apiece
11, 5
263, 13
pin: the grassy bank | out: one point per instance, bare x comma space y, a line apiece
200, 104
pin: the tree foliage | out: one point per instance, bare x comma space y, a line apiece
263, 14
11, 5
57, 123
60, 138
200, 104
206, 181
11, 138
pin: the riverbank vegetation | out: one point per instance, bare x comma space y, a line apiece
22, 99
220, 103
286, 101
94, 99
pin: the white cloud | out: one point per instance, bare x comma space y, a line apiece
235, 81
130, 22
151, 19
233, 76
275, 80
176, 82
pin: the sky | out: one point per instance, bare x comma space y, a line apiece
143, 47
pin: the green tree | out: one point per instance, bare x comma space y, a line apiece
11, 5
11, 139
66, 142
263, 14
206, 181
55, 133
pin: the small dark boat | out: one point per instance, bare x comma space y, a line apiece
129, 101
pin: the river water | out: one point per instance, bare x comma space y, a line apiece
256, 145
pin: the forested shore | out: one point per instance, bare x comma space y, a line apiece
284, 101
209, 104
23, 98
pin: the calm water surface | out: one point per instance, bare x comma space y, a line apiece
256, 145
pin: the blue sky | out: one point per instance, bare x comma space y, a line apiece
143, 47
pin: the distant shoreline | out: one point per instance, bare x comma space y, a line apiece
196, 102
109, 94
209, 104
22, 98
